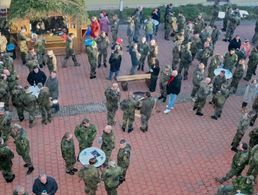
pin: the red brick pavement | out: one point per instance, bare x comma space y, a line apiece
181, 154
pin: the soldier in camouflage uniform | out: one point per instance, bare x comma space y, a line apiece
180, 37
138, 23
41, 50
241, 185
102, 42
4, 91
253, 162
237, 75
239, 161
108, 142
22, 145
255, 37
196, 44
201, 96
215, 13
51, 61
226, 18
181, 21
5, 123
185, 60
147, 106
230, 60
215, 62
219, 101
111, 177
199, 24
234, 21
176, 52
44, 104
168, 21
68, 153
114, 28
218, 81
153, 52
112, 97
31, 59
130, 31
6, 156
24, 101
204, 54
23, 44
92, 52
215, 34
69, 49
253, 137
252, 64
143, 48
85, 134
198, 76
128, 107
164, 78
91, 177
123, 157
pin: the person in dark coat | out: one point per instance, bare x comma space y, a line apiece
154, 71
155, 15
115, 62
135, 57
235, 43
44, 185
173, 89
36, 76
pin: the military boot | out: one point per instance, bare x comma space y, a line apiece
30, 170
214, 117
70, 172
9, 178
199, 113
130, 130
105, 65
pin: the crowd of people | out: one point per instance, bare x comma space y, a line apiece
191, 41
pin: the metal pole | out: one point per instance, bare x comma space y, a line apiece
121, 9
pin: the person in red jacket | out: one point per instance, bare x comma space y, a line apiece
95, 28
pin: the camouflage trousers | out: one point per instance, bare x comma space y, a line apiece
6, 168
5, 132
213, 19
31, 111
211, 73
253, 141
185, 67
45, 113
41, 59
194, 90
69, 164
102, 53
230, 31
90, 191
26, 157
23, 57
128, 118
142, 61
108, 153
218, 110
168, 31
199, 104
111, 191
253, 169
111, 112
144, 122
234, 84
93, 66
122, 178
237, 138
175, 62
70, 53
233, 172
114, 36
5, 98
251, 68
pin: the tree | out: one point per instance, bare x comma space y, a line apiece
35, 9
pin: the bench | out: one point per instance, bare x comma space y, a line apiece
125, 78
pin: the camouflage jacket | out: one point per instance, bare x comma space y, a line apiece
43, 97
3, 88
199, 25
214, 63
143, 48
230, 61
69, 44
112, 98
21, 142
239, 183
196, 44
253, 59
114, 25
90, 176
147, 106
85, 135
186, 56
68, 150
92, 54
204, 90
129, 105
243, 123
198, 76
111, 176
240, 160
102, 43
217, 83
239, 72
123, 157
221, 97
108, 141
6, 156
164, 78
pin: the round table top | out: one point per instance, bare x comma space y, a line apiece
228, 73
34, 90
91, 152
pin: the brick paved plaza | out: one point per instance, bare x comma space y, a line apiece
181, 154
